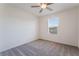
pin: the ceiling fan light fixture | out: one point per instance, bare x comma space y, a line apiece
43, 6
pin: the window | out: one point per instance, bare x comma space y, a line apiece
53, 24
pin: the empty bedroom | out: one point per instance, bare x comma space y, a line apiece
39, 29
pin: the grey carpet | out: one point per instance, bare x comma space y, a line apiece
42, 48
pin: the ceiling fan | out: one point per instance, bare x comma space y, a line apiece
43, 6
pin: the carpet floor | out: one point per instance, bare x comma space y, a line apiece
42, 48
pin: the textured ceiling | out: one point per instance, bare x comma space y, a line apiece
56, 7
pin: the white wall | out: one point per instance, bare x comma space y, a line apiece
78, 26
16, 27
67, 31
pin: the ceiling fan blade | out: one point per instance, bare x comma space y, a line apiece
35, 6
49, 9
49, 3
41, 10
